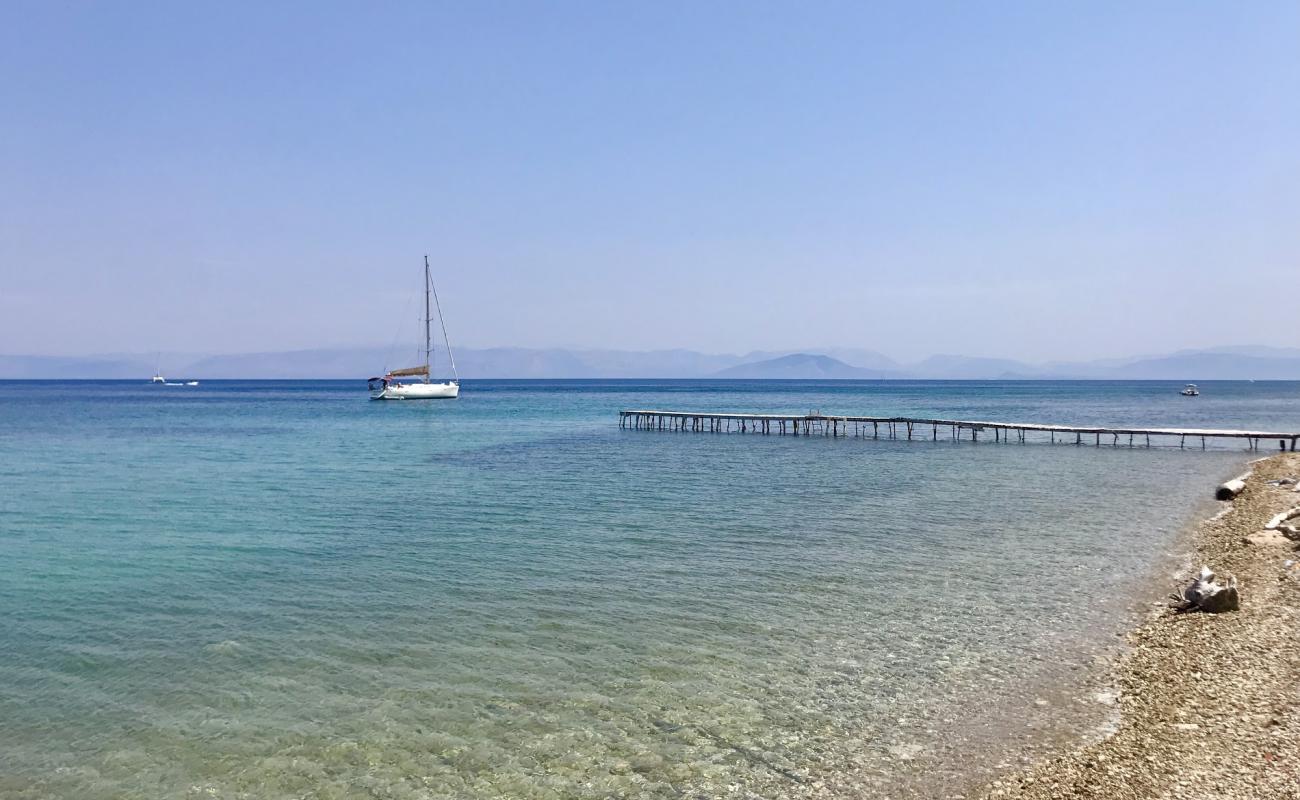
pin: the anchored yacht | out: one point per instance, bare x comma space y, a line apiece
389, 386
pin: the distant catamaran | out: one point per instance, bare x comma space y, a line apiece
388, 387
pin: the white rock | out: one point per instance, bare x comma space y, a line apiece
1209, 594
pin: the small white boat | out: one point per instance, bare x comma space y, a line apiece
1190, 390
389, 386
159, 379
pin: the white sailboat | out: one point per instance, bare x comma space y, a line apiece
390, 387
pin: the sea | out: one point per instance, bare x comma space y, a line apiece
280, 589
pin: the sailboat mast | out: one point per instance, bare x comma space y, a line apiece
428, 348
442, 321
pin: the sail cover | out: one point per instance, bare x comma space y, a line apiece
422, 370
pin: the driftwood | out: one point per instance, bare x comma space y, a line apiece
1291, 532
1209, 594
1230, 489
1276, 522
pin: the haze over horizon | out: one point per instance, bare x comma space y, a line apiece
1021, 181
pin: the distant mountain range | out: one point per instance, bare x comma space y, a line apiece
1220, 363
798, 365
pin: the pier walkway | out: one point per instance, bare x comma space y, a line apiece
818, 424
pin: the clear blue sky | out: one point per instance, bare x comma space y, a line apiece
1033, 180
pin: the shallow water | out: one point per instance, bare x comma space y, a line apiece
276, 590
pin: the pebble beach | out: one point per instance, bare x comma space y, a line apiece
1207, 704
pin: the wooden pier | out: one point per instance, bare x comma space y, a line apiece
920, 428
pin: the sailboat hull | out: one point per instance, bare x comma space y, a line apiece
419, 391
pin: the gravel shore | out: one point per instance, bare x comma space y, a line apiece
1209, 704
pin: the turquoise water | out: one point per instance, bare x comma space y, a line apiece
282, 590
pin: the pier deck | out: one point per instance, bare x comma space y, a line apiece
818, 424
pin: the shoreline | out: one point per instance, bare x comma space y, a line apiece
1206, 703
1069, 701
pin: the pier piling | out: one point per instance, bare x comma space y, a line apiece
836, 426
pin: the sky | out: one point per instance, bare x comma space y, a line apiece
1029, 180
